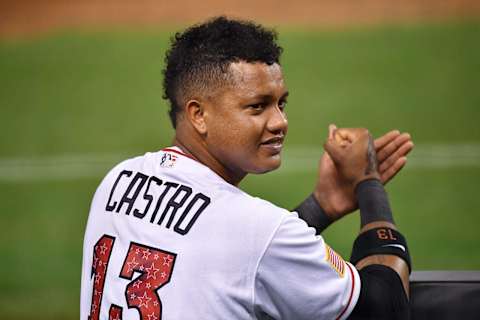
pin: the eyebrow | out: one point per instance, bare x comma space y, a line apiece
269, 96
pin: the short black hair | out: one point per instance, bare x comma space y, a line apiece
199, 57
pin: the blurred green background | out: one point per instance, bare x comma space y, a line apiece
75, 103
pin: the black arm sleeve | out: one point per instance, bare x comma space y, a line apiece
382, 295
313, 214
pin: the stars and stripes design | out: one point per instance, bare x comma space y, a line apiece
335, 261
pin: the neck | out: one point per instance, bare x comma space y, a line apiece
200, 153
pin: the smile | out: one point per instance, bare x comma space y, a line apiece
274, 144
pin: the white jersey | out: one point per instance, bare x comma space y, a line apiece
167, 238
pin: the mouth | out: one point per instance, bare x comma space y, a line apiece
274, 144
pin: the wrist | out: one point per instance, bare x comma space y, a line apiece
371, 176
322, 200
313, 214
373, 202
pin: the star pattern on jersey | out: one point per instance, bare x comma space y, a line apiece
137, 283
115, 313
97, 278
152, 271
167, 260
103, 249
155, 267
97, 293
132, 265
144, 300
152, 316
146, 254
101, 255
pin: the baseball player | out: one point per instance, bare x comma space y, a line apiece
171, 236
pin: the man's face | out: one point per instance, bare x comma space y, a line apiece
246, 120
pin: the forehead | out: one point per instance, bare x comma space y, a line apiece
253, 79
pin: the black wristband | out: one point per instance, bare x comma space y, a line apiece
373, 202
312, 213
380, 241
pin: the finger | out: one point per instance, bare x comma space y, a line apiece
393, 170
342, 135
387, 150
402, 151
349, 135
334, 150
386, 139
331, 131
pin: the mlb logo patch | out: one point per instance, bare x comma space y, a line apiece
335, 260
168, 160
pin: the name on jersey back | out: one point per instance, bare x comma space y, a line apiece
142, 196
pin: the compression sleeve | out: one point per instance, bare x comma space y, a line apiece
313, 214
382, 295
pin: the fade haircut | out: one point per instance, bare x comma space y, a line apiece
198, 60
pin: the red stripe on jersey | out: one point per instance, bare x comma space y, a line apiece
351, 291
179, 152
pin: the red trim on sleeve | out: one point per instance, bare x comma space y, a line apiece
351, 292
179, 152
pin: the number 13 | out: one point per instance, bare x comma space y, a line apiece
155, 267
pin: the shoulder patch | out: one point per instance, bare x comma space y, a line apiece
335, 260
168, 160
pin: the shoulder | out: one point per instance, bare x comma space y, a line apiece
256, 217
258, 209
310, 271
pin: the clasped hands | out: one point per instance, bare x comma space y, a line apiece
352, 156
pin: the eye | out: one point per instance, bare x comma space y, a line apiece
257, 107
282, 104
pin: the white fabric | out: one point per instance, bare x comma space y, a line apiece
243, 258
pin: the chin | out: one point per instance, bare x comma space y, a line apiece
271, 165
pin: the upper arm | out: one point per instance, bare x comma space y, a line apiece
382, 295
300, 277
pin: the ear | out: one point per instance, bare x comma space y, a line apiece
195, 114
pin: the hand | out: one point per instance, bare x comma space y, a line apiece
336, 196
353, 152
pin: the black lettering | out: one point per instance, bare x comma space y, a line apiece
175, 205
111, 207
167, 185
130, 200
147, 197
199, 196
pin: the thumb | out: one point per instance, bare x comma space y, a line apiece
331, 131
334, 150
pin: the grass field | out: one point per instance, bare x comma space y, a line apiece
72, 104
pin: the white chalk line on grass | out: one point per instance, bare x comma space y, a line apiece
295, 159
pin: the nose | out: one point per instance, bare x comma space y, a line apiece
277, 121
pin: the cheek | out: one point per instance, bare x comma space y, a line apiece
241, 132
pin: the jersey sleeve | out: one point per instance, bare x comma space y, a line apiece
301, 277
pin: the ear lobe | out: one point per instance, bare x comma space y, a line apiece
195, 113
